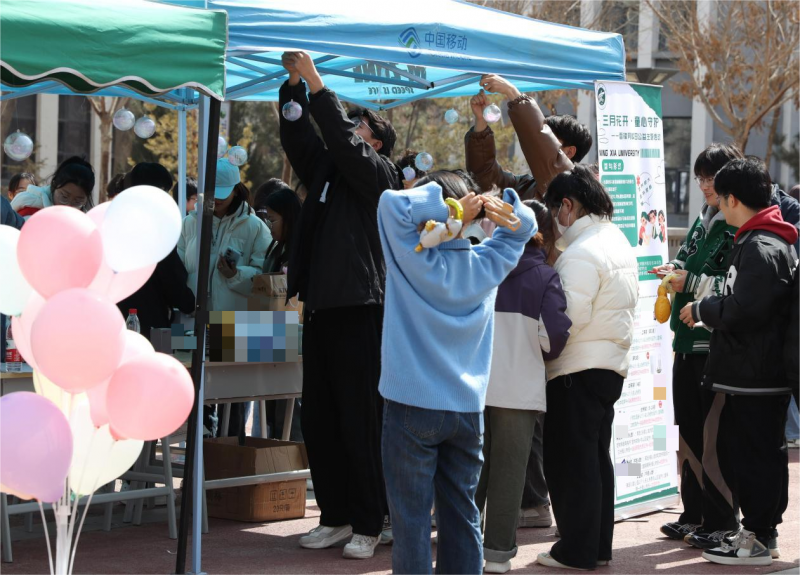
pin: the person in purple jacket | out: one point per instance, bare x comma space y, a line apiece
531, 325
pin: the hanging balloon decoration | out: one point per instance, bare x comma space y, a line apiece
18, 146
124, 120
292, 111
491, 113
409, 174
145, 127
423, 161
222, 147
237, 156
451, 116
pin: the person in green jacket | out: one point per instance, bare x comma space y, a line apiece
701, 263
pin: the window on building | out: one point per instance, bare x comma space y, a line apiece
74, 127
622, 17
23, 118
678, 172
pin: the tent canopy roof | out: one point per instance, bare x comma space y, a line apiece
87, 46
402, 51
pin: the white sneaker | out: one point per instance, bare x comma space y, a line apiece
547, 559
535, 517
322, 537
309, 485
387, 537
495, 567
361, 547
793, 443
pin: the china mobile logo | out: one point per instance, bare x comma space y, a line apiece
409, 39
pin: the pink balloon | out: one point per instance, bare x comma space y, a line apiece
21, 327
35, 446
149, 397
135, 345
116, 286
59, 248
78, 339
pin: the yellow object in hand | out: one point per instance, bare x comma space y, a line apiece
663, 307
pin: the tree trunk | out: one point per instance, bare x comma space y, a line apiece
773, 129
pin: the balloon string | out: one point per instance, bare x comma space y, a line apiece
74, 550
74, 516
47, 538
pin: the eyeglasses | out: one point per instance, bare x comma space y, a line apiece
705, 181
360, 122
65, 199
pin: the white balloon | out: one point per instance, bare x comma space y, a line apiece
123, 120
14, 288
144, 127
237, 156
222, 147
62, 399
141, 227
18, 146
96, 457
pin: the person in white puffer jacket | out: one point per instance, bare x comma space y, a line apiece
599, 273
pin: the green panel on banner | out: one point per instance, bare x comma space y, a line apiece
622, 189
651, 96
649, 496
646, 263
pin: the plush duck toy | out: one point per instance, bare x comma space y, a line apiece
663, 307
434, 233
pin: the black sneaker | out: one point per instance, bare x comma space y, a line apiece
709, 539
678, 530
743, 549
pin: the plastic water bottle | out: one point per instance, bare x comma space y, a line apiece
13, 358
132, 323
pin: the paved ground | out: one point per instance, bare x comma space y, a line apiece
233, 547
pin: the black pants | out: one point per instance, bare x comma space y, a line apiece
577, 464
342, 415
534, 493
762, 467
704, 457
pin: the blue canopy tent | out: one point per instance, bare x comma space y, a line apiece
381, 55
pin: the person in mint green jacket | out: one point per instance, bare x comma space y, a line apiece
437, 350
701, 264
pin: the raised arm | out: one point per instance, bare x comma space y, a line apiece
541, 148
303, 147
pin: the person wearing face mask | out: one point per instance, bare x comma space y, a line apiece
598, 271
700, 266
71, 185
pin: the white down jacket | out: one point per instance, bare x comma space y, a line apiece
599, 274
242, 231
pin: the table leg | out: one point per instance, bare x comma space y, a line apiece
287, 420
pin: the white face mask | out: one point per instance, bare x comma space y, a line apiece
562, 229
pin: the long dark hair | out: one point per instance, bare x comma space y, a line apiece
453, 185
580, 185
545, 238
287, 205
75, 170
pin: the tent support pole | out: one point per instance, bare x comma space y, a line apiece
192, 481
182, 161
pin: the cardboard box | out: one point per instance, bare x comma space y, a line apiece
223, 458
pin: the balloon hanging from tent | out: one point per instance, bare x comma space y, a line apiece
451, 116
145, 127
292, 111
18, 146
222, 147
491, 113
124, 120
423, 161
237, 156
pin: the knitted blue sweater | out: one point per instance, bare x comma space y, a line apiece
439, 308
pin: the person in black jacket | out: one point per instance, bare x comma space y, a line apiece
166, 289
749, 322
336, 265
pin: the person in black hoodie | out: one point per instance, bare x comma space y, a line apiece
336, 265
748, 323
166, 289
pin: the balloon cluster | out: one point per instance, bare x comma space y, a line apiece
101, 390
124, 120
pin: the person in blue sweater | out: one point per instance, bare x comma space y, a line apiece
436, 354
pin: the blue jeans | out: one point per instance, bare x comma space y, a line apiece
792, 421
427, 454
